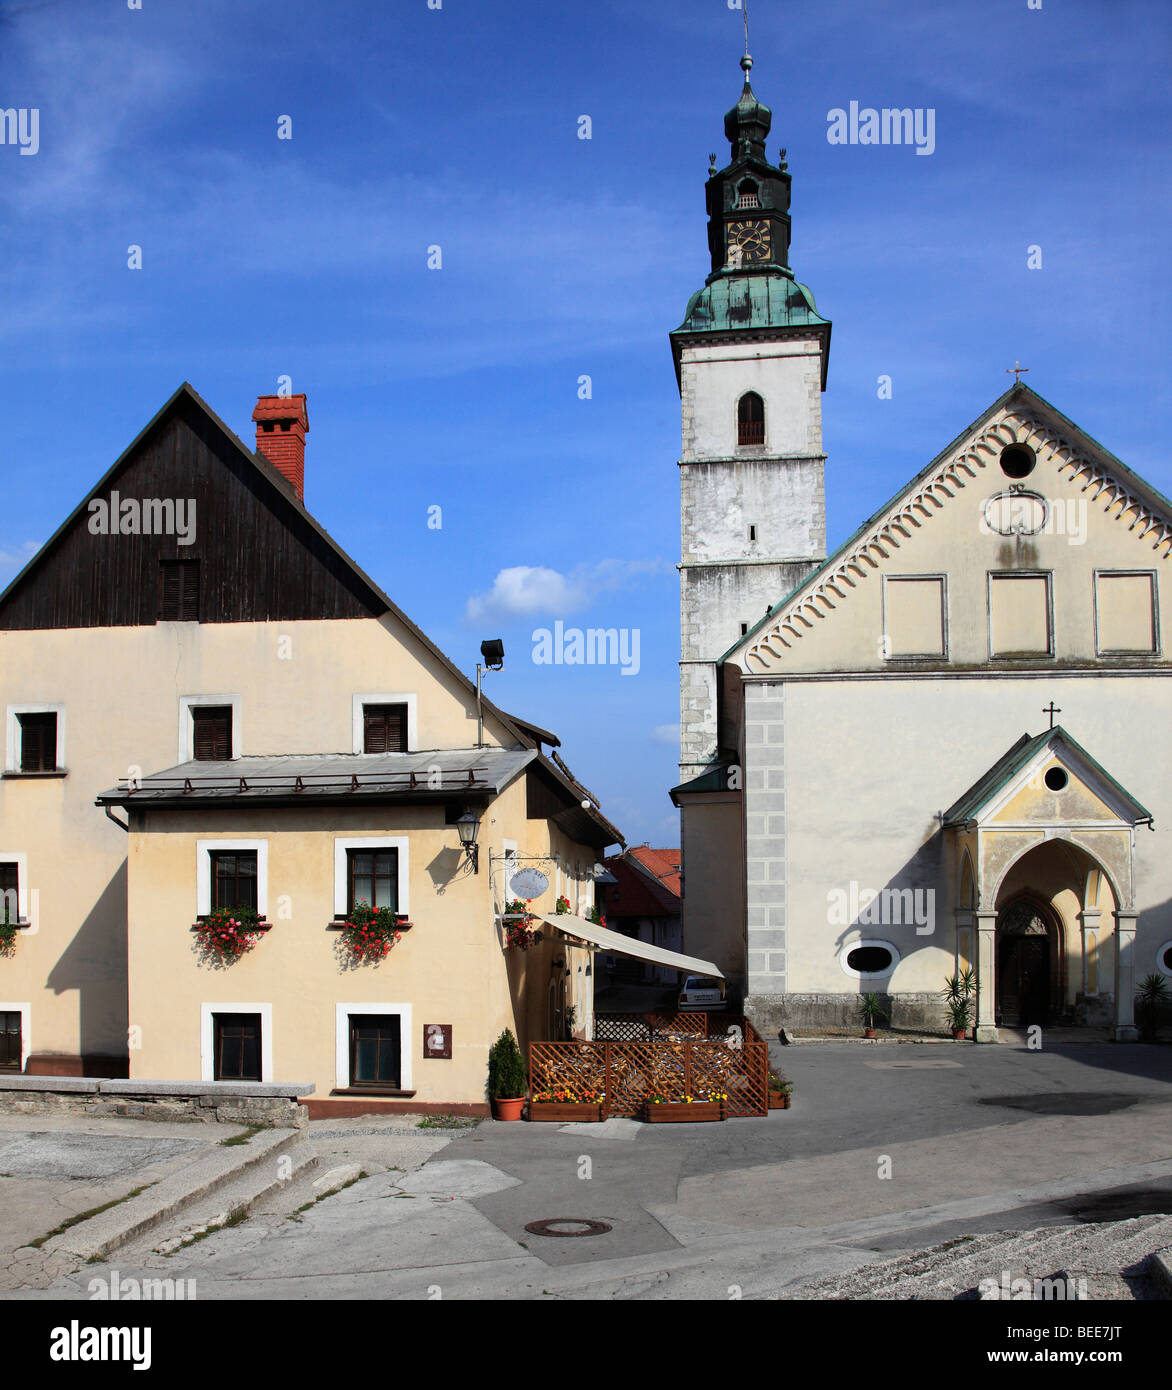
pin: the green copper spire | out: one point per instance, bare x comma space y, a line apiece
748, 123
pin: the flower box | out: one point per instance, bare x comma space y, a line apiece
779, 1100
682, 1111
564, 1112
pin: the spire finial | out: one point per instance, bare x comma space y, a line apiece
745, 16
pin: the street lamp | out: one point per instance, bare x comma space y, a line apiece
468, 826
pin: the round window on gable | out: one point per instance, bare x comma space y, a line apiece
1017, 460
1056, 778
867, 959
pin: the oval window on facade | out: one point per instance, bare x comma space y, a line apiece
866, 959
1056, 778
1164, 959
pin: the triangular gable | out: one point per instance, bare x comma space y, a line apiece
353, 589
1017, 778
1019, 415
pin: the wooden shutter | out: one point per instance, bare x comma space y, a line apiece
211, 733
384, 728
179, 591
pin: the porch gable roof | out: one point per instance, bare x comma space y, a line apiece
982, 793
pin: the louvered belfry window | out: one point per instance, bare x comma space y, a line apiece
211, 740
179, 591
384, 728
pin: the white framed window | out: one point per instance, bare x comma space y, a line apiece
207, 1036
868, 959
1163, 963
13, 742
23, 1011
342, 1016
403, 697
371, 843
187, 723
20, 860
204, 849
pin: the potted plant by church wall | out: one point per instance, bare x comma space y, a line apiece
869, 1010
507, 1081
958, 994
1150, 1001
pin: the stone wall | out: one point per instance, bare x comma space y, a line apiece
207, 1102
915, 1012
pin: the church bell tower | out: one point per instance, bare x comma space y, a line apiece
751, 359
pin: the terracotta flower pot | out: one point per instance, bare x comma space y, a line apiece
868, 1032
960, 1034
779, 1100
507, 1109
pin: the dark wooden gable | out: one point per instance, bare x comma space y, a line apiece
256, 555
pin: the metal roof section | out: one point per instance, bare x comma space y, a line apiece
773, 304
437, 774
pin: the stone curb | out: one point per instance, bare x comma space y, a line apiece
1160, 1270
106, 1232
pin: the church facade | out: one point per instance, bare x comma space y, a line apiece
941, 747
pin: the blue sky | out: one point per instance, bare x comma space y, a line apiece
562, 257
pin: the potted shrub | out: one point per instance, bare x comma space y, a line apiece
869, 1010
958, 998
780, 1090
1150, 999
506, 1078
566, 1104
562, 906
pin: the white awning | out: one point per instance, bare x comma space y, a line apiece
621, 945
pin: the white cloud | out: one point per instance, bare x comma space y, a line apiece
17, 559
523, 590
666, 733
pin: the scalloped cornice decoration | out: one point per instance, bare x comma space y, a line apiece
863, 558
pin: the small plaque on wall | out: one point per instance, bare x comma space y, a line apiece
437, 1040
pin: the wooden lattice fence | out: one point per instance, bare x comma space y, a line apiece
671, 1062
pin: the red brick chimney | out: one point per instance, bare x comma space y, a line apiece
282, 422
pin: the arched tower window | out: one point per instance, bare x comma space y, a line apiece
748, 194
750, 419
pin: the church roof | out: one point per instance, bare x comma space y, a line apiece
713, 779
1006, 768
1149, 498
737, 302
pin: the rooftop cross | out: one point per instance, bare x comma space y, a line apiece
1051, 709
1017, 370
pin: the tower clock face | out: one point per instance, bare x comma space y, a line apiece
748, 243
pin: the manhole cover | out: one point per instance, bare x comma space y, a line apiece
568, 1226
